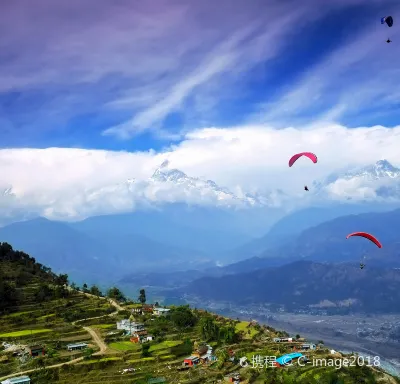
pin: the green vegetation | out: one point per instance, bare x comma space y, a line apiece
53, 323
25, 332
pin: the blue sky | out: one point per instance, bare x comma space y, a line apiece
225, 90
149, 73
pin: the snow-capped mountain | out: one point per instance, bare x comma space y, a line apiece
176, 179
373, 182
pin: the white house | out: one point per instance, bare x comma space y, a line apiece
76, 346
160, 311
130, 326
18, 380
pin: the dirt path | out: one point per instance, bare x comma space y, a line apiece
96, 338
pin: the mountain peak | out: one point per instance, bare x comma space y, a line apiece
384, 165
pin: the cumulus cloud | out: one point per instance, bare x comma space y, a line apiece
75, 183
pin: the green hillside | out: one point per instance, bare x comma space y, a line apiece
39, 308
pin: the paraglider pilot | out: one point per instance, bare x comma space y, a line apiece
362, 266
305, 188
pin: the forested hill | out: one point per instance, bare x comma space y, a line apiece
21, 278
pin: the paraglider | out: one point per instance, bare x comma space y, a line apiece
388, 20
295, 157
367, 236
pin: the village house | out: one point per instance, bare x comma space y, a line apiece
36, 350
203, 354
141, 337
306, 347
18, 380
143, 309
129, 326
283, 339
191, 361
76, 346
160, 311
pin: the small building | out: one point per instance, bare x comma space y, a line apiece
160, 311
283, 339
130, 327
308, 346
141, 337
36, 350
18, 380
76, 346
143, 309
191, 361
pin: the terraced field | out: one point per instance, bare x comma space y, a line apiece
76, 317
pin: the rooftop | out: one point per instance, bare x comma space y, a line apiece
19, 379
77, 345
162, 309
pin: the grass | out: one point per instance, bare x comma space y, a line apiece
103, 326
164, 345
16, 314
25, 332
242, 327
100, 360
125, 346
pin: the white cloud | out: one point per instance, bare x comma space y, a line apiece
74, 183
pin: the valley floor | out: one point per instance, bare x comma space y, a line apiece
339, 332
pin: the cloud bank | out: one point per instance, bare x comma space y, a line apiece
75, 183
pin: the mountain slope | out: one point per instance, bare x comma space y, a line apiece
57, 245
293, 224
199, 229
102, 256
303, 284
327, 241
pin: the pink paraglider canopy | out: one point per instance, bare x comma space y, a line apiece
310, 155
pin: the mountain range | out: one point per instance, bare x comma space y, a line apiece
305, 285
243, 233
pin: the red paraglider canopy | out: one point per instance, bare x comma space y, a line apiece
310, 155
367, 236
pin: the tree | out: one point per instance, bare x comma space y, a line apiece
209, 329
145, 350
85, 288
142, 296
182, 317
94, 290
88, 353
228, 334
115, 293
62, 279
297, 337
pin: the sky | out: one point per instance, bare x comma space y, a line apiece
93, 93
